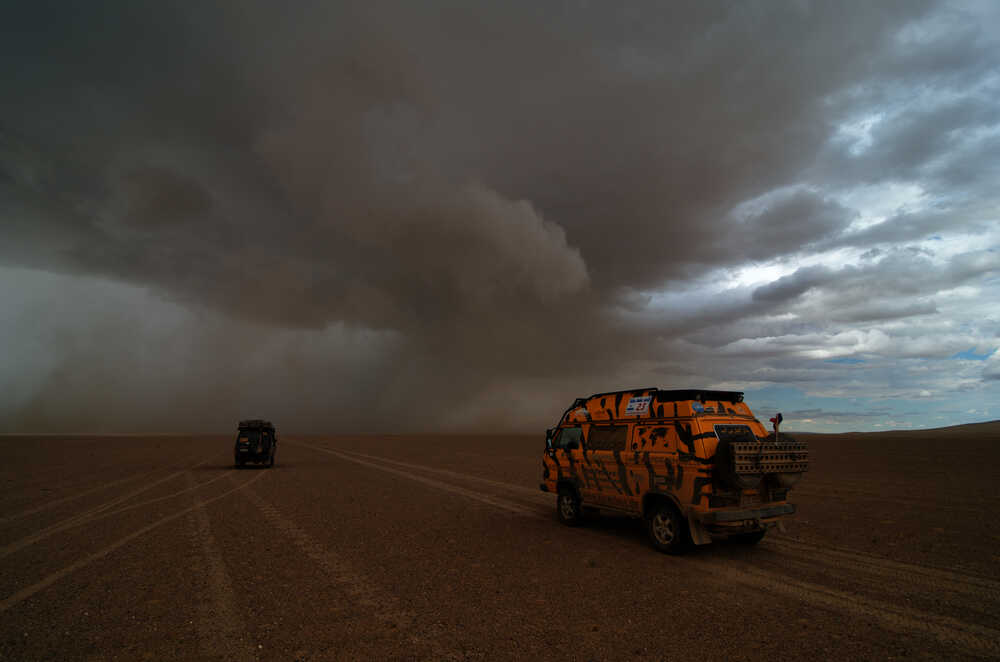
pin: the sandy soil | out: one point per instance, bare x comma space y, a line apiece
442, 548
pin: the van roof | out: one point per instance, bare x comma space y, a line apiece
672, 395
645, 403
699, 394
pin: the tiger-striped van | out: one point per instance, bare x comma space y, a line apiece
694, 464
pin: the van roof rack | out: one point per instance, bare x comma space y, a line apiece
672, 395
252, 423
699, 394
665, 395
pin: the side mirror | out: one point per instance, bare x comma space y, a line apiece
548, 439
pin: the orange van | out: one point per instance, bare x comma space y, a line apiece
694, 464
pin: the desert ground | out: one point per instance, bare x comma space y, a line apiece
443, 548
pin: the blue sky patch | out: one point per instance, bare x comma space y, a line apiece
970, 355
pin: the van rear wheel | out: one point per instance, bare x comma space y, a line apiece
667, 530
568, 507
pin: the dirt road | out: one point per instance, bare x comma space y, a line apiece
442, 548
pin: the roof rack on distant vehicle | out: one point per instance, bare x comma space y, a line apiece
254, 423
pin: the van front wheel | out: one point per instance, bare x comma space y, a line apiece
568, 507
667, 530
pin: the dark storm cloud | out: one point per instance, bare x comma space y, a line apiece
903, 272
905, 227
794, 285
500, 187
882, 311
785, 225
357, 122
162, 197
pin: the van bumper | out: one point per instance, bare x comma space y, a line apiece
726, 516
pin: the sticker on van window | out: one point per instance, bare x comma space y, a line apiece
638, 405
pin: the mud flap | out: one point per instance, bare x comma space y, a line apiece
699, 534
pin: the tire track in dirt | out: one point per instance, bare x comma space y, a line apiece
534, 492
222, 633
470, 494
895, 586
935, 503
959, 493
880, 483
172, 495
93, 518
936, 578
946, 630
94, 514
940, 578
51, 579
383, 605
56, 502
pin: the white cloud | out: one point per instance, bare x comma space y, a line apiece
991, 367
857, 133
875, 203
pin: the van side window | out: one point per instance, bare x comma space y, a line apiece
567, 437
607, 437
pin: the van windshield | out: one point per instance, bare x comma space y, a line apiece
568, 438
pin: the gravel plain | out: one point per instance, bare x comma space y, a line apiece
443, 548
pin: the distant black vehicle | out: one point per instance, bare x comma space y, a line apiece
255, 442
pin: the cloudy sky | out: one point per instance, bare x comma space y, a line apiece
452, 216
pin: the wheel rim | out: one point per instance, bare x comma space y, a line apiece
567, 506
663, 528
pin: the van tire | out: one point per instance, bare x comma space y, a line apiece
668, 531
749, 538
568, 507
